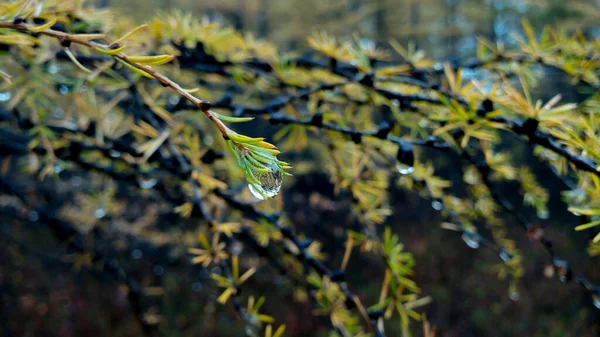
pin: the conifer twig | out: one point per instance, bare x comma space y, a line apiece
66, 39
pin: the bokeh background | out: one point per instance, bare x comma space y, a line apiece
42, 295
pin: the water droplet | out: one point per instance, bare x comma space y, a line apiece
208, 140
58, 112
395, 102
579, 194
58, 169
236, 248
255, 193
5, 96
576, 198
253, 321
270, 183
514, 295
437, 205
100, 213
543, 213
558, 263
197, 286
136, 254
551, 156
114, 153
33, 216
471, 176
76, 181
404, 169
504, 255
53, 69
471, 239
158, 270
596, 299
173, 99
63, 89
149, 183
562, 269
405, 159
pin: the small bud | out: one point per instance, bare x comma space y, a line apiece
419, 74
205, 105
286, 232
350, 302
332, 63
406, 155
317, 119
367, 80
487, 105
530, 126
405, 159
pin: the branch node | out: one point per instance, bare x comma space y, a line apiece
530, 126
383, 130
405, 154
205, 106
65, 43
338, 276
317, 119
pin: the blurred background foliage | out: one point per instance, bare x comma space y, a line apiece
46, 294
444, 29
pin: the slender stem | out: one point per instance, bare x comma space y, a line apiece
164, 80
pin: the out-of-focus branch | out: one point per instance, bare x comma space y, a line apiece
67, 234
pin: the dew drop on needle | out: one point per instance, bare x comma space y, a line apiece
596, 299
504, 255
543, 213
471, 240
404, 169
270, 184
437, 205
